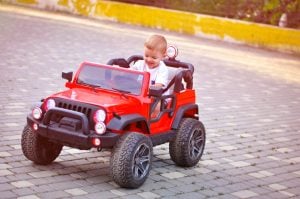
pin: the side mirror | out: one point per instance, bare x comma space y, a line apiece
67, 75
155, 91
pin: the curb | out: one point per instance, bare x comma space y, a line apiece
235, 31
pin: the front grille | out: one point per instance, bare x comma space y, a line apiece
79, 108
87, 109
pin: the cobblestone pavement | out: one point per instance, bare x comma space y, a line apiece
249, 101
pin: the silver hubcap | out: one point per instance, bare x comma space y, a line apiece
196, 144
141, 161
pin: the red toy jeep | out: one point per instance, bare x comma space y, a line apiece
106, 106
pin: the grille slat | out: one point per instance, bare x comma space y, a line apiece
84, 110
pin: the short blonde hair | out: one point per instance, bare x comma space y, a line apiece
156, 42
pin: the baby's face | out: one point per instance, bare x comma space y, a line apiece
152, 57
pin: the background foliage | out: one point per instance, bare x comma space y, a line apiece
260, 11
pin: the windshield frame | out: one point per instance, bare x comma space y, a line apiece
141, 86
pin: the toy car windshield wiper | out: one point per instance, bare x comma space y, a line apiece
90, 85
120, 90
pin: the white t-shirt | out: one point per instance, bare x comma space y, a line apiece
158, 75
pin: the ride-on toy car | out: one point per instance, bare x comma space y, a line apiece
109, 106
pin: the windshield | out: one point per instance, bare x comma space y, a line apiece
124, 81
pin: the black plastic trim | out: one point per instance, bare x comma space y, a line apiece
179, 64
124, 120
180, 113
163, 137
71, 138
119, 61
67, 113
134, 58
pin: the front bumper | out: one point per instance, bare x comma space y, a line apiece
76, 136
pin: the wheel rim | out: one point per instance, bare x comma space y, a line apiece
196, 144
141, 161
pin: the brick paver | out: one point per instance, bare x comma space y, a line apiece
249, 102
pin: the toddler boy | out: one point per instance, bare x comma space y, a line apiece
155, 49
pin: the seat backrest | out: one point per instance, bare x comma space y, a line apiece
172, 72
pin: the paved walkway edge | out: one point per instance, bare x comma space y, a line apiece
271, 37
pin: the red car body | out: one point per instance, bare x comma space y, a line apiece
105, 106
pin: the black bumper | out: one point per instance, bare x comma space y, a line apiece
78, 138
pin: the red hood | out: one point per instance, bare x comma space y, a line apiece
112, 101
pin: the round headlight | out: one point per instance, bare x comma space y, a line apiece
100, 128
172, 52
50, 104
37, 113
99, 116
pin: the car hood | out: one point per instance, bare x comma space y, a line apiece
111, 101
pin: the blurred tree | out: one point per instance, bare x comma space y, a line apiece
270, 11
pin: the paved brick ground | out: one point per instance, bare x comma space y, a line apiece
249, 101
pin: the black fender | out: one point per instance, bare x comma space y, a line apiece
119, 123
180, 113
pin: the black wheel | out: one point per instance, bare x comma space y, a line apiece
187, 147
37, 148
131, 160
